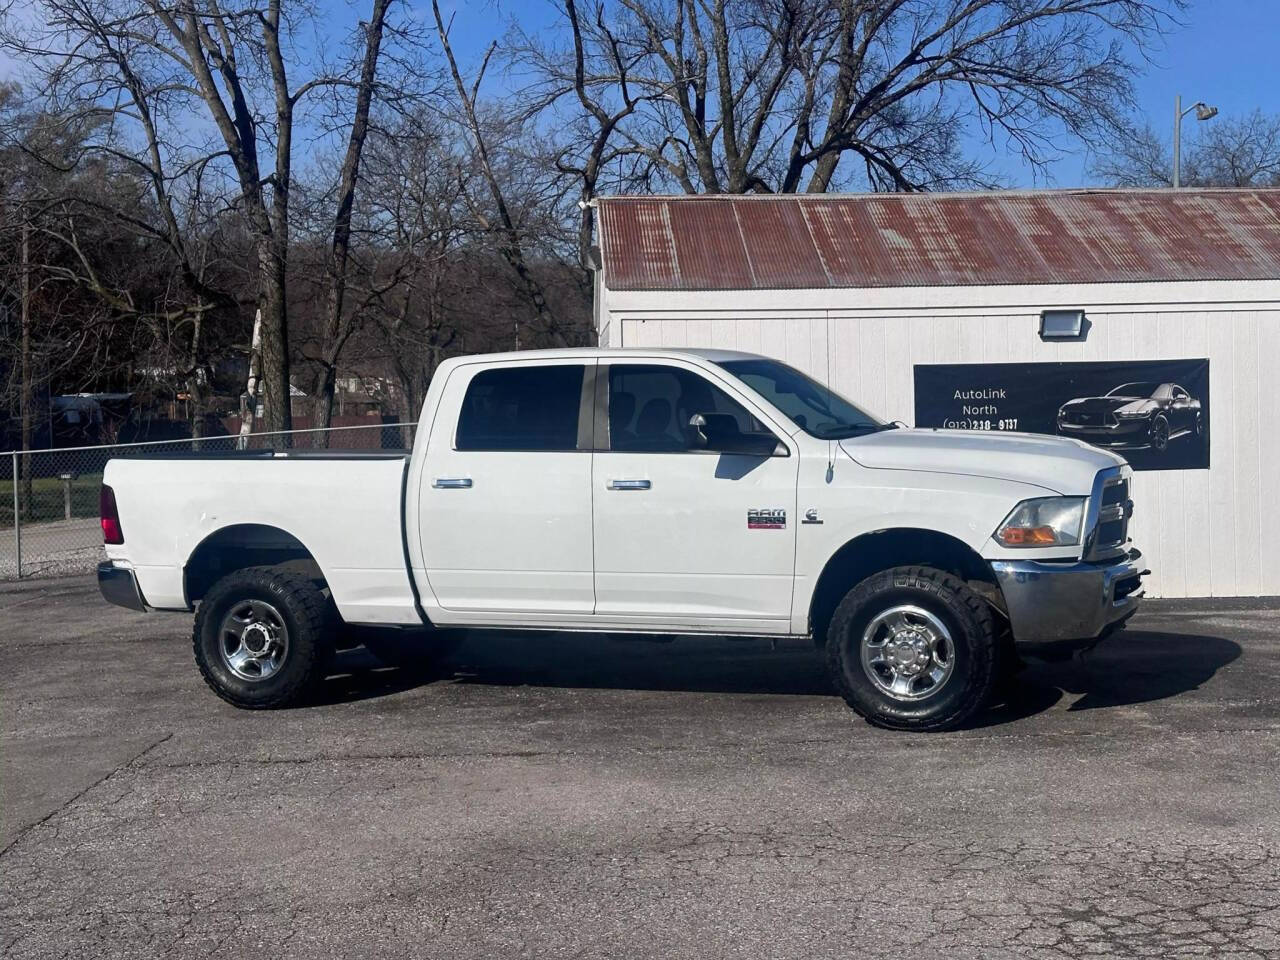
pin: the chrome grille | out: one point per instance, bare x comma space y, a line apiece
1111, 528
1117, 491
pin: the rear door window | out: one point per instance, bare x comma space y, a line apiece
524, 407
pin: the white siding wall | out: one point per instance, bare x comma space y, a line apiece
1212, 532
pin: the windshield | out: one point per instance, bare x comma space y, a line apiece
1135, 390
812, 406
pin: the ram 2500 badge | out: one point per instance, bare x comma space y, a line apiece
665, 491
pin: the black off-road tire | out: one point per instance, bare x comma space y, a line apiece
975, 640
309, 616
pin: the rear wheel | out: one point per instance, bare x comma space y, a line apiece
263, 637
913, 648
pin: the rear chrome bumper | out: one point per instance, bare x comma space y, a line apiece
1056, 602
118, 585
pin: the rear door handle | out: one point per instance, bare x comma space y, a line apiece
628, 484
452, 483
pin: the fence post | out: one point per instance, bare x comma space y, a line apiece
17, 523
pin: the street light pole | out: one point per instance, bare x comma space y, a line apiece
1203, 112
1177, 141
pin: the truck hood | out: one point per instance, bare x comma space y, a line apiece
1057, 464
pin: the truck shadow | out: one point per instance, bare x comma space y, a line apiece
1136, 666
584, 661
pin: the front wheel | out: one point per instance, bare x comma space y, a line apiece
1160, 434
913, 648
263, 637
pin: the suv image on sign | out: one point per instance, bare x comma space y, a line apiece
1133, 416
646, 492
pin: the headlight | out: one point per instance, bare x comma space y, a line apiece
1044, 522
1133, 414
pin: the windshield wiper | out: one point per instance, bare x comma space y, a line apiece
855, 430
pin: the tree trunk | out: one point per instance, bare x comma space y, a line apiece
510, 244
335, 335
823, 171
275, 339
273, 245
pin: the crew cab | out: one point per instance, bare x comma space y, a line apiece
647, 492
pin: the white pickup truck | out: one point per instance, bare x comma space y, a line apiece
642, 491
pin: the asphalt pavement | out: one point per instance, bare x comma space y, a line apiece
564, 795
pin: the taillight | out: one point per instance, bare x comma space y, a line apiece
111, 530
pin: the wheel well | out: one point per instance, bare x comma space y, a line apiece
244, 545
901, 546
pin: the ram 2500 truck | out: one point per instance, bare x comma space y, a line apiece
652, 492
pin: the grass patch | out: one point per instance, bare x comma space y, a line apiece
48, 499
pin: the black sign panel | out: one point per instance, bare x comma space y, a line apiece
1154, 413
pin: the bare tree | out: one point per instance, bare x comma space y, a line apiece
339, 322
512, 243
213, 47
774, 95
1226, 152
145, 67
589, 147
56, 331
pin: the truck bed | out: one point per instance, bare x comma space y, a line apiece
345, 507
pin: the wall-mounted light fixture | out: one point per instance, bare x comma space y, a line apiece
1062, 325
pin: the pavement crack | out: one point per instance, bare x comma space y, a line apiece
26, 831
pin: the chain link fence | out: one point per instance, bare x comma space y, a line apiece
49, 498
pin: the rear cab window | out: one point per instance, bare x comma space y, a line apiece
526, 407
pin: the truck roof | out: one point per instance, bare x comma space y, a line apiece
585, 353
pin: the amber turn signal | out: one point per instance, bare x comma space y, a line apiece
1028, 536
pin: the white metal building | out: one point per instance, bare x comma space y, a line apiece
868, 291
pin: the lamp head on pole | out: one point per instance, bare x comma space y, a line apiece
1202, 110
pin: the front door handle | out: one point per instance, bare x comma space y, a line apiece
452, 483
628, 484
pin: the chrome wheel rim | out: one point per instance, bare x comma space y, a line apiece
908, 653
253, 640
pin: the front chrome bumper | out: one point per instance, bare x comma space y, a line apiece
118, 585
1053, 602
1124, 435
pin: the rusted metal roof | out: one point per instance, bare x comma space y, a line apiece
938, 239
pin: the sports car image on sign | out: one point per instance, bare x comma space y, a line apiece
1133, 416
1154, 413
